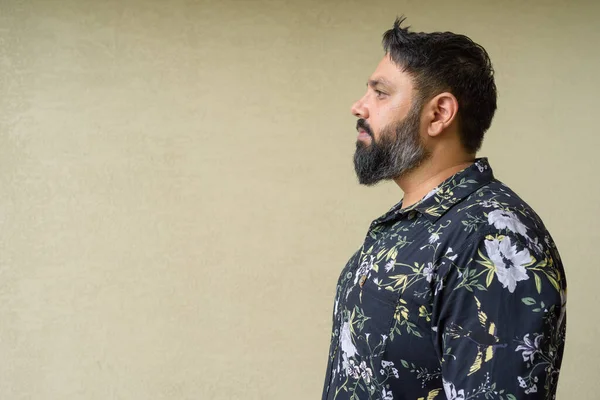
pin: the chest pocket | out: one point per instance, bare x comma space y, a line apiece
401, 311
371, 318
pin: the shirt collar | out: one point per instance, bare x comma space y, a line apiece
450, 192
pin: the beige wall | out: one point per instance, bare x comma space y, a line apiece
177, 195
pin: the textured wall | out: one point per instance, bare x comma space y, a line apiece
177, 195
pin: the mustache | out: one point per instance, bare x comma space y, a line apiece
364, 125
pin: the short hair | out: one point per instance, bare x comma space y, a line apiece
446, 61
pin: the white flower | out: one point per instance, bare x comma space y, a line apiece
346, 341
428, 271
389, 365
451, 392
522, 382
365, 372
450, 257
532, 389
529, 347
507, 220
434, 237
509, 263
389, 265
386, 395
488, 203
352, 369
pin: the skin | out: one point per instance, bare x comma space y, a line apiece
387, 100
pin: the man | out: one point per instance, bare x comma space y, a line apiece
458, 292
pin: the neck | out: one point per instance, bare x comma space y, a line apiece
416, 184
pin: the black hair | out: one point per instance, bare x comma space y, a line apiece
446, 61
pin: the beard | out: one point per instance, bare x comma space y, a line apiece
398, 150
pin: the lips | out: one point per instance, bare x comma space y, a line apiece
363, 134
363, 128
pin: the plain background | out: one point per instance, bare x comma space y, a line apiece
177, 195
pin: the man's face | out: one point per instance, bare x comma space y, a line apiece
389, 142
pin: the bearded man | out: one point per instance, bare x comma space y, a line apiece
458, 291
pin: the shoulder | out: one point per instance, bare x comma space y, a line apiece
507, 245
495, 209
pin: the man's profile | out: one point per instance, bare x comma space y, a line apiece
458, 292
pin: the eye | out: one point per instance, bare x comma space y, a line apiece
379, 93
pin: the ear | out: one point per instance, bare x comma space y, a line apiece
441, 112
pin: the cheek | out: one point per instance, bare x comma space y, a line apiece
376, 129
380, 121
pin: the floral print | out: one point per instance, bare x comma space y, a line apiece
461, 296
451, 393
509, 262
502, 219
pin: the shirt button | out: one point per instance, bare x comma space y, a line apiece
362, 280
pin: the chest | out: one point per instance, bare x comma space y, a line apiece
385, 290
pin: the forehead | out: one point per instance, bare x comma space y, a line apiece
389, 74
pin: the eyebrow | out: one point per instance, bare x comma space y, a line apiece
379, 82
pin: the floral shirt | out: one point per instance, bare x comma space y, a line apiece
460, 296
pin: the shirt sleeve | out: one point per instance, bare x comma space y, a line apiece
499, 320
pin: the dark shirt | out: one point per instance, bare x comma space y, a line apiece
459, 296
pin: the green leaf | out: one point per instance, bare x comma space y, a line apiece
538, 283
528, 301
511, 397
404, 363
490, 277
553, 282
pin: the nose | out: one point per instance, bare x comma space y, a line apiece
359, 109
